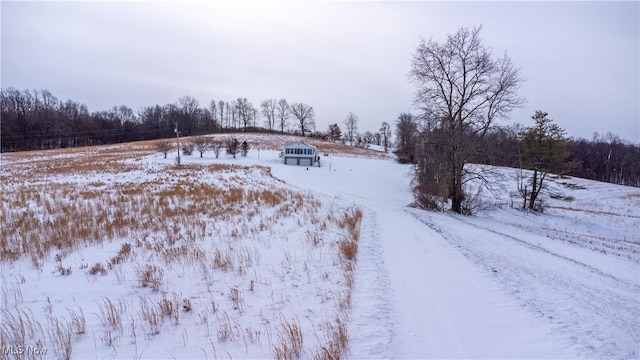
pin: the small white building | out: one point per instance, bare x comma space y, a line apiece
301, 154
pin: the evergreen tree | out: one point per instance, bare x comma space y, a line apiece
544, 152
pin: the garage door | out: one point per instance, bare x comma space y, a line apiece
291, 161
305, 162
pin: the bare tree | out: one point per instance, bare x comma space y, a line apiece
367, 137
214, 114
283, 110
385, 133
377, 139
304, 114
268, 110
221, 111
201, 143
215, 147
461, 90
164, 146
255, 114
229, 108
351, 125
244, 109
189, 108
407, 132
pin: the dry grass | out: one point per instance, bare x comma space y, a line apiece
78, 322
349, 245
21, 327
166, 220
41, 218
170, 308
336, 341
592, 212
152, 315
60, 338
111, 315
150, 276
348, 248
123, 254
98, 268
277, 142
290, 341
236, 298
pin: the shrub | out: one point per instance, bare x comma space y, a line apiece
97, 268
187, 149
348, 248
151, 276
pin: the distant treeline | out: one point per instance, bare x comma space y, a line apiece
37, 120
605, 158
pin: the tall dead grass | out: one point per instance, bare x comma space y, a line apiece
290, 341
162, 222
37, 219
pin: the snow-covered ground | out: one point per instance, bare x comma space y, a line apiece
500, 284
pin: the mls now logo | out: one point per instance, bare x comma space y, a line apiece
24, 350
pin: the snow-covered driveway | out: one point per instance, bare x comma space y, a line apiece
416, 295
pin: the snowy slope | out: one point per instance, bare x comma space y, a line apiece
438, 304
501, 284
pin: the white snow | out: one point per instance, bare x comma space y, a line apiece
500, 284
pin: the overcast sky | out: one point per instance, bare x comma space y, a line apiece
581, 59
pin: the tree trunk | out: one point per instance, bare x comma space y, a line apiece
534, 190
455, 187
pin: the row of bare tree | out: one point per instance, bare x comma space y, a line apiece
351, 135
36, 119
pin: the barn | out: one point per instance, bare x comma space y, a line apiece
301, 154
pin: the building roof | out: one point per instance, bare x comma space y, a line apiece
299, 145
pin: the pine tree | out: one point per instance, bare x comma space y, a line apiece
544, 152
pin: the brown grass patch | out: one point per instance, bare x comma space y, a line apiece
593, 212
290, 341
171, 217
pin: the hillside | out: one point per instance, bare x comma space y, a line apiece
113, 252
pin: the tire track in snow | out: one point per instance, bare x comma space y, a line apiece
542, 249
598, 312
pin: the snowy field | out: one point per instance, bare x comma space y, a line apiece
249, 258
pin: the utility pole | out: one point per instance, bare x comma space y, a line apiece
178, 142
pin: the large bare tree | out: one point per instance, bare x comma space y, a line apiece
244, 111
304, 114
268, 110
462, 90
385, 134
213, 108
351, 125
283, 110
189, 107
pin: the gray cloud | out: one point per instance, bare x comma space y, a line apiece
581, 59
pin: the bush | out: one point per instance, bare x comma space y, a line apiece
232, 147
98, 268
187, 149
